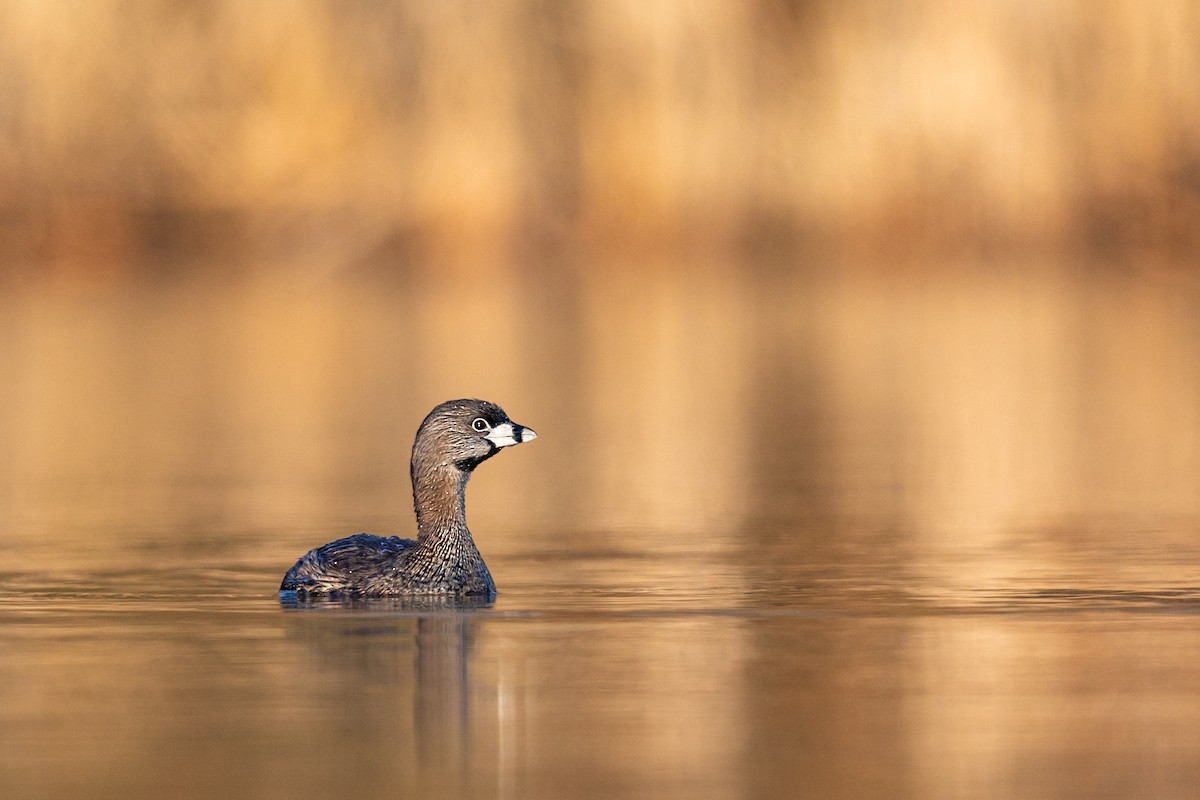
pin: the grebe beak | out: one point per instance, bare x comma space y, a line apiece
510, 433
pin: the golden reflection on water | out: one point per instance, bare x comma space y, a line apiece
237, 700
692, 401
820, 534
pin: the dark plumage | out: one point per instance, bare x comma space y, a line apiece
456, 437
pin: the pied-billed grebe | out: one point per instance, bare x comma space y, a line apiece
454, 439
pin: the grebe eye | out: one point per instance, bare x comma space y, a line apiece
480, 424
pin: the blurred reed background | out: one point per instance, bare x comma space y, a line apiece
140, 137
917, 258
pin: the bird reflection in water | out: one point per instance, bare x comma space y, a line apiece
405, 662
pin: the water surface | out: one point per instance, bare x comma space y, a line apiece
810, 537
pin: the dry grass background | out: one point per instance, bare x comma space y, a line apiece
135, 136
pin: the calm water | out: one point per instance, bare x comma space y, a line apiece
877, 538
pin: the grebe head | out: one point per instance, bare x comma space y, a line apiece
465, 433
